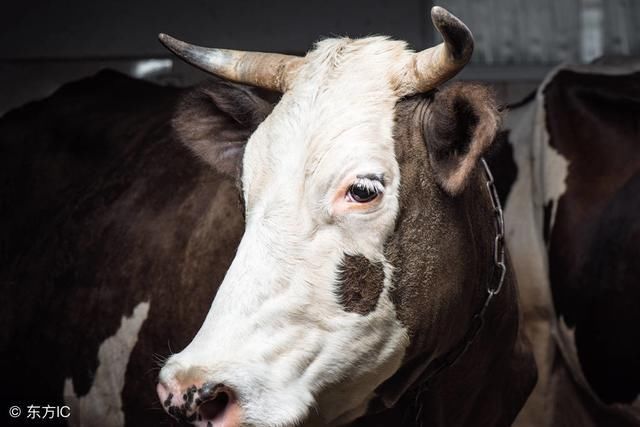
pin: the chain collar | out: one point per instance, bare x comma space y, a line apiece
492, 290
426, 373
498, 247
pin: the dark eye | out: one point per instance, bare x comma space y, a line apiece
362, 193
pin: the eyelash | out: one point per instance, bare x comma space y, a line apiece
373, 187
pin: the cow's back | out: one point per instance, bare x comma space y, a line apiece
108, 225
576, 146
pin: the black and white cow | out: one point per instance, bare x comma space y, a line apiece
98, 238
572, 156
368, 246
353, 291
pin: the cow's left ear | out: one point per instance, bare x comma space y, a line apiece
215, 120
460, 125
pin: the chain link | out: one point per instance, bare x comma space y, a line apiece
498, 247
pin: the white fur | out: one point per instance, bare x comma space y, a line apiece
550, 168
103, 404
542, 174
276, 332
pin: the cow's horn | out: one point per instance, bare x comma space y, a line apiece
438, 64
267, 70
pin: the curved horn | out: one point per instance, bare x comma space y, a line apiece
438, 64
267, 70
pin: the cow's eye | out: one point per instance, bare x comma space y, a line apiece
364, 190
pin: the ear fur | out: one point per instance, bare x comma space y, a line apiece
215, 120
460, 125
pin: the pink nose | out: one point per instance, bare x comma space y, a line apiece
211, 405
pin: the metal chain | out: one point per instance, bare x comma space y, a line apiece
498, 245
498, 260
498, 248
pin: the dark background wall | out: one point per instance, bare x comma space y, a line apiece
80, 29
46, 43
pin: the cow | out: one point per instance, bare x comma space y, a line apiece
99, 241
370, 285
115, 239
568, 163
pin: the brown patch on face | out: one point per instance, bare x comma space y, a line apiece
360, 284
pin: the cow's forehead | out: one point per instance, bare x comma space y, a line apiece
369, 66
341, 103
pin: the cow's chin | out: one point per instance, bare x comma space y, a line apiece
350, 414
312, 415
336, 406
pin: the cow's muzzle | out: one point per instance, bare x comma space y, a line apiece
207, 405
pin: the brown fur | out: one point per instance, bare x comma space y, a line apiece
460, 126
109, 210
442, 255
134, 217
216, 119
592, 121
360, 284
441, 252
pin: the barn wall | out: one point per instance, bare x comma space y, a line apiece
43, 43
46, 43
525, 32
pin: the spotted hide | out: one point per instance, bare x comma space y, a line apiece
103, 246
360, 291
332, 259
118, 237
573, 221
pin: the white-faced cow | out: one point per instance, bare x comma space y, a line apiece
571, 183
114, 238
368, 287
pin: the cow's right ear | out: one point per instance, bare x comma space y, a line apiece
460, 126
216, 119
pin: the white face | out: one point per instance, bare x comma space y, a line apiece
277, 334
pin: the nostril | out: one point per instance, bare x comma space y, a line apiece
214, 401
212, 409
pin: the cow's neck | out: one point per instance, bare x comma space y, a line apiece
442, 246
448, 270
